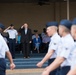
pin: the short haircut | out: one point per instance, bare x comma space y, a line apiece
11, 25
74, 26
56, 28
66, 30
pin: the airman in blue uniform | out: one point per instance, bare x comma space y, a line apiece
73, 62
64, 50
4, 50
53, 45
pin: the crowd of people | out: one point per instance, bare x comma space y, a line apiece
23, 41
58, 38
61, 53
10, 38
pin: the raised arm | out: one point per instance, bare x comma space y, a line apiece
7, 29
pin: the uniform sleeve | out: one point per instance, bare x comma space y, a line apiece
6, 48
16, 32
66, 50
5, 45
53, 45
0, 44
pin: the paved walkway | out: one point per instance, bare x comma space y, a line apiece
24, 72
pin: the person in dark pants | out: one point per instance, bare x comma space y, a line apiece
55, 71
4, 50
65, 49
73, 62
53, 45
18, 45
26, 39
12, 44
12, 39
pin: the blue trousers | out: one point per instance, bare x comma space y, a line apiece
64, 70
12, 44
2, 66
55, 71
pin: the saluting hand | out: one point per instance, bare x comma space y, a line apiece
12, 66
40, 64
22, 26
9, 27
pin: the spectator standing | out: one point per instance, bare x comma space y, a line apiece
45, 40
18, 45
43, 33
19, 38
26, 39
12, 38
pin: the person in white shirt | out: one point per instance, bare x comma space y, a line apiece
12, 38
73, 62
53, 45
63, 58
4, 50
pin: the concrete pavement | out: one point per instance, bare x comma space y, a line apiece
24, 72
